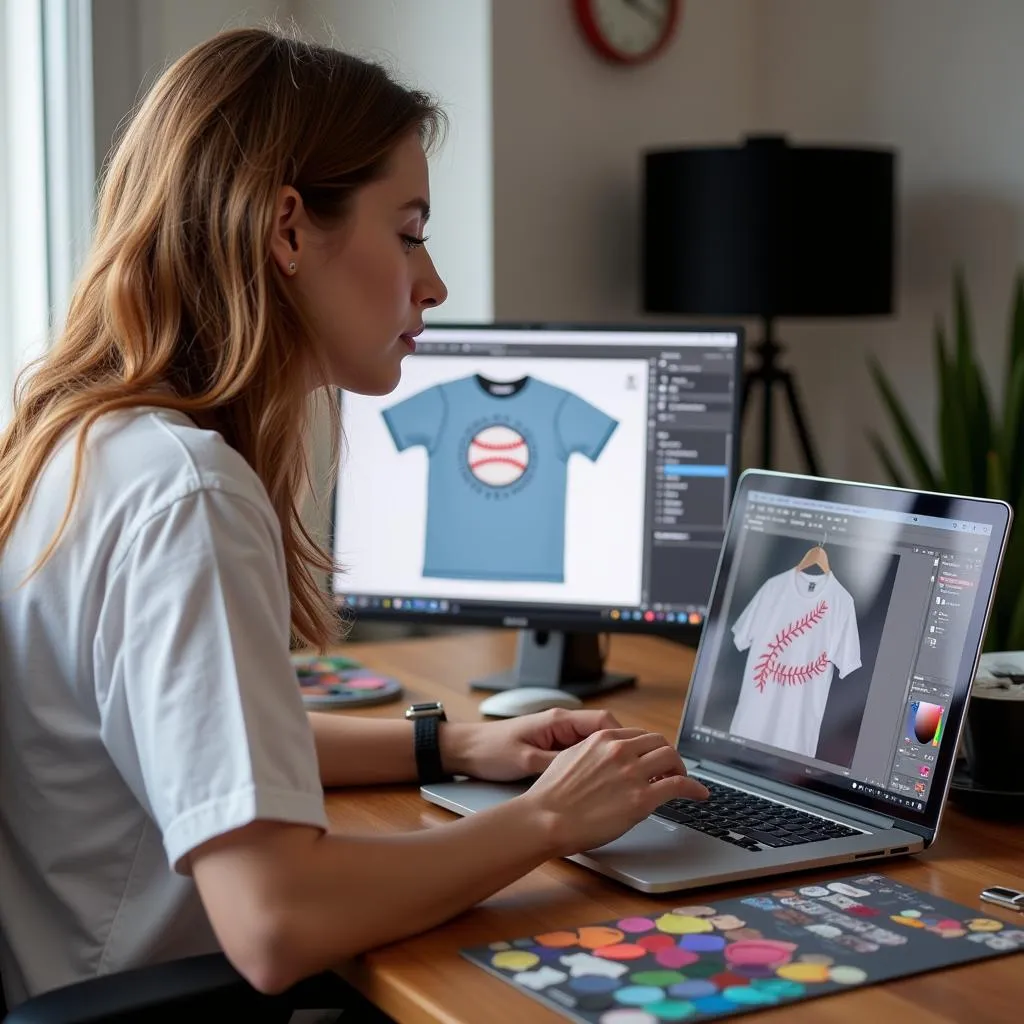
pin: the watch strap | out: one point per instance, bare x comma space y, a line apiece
427, 742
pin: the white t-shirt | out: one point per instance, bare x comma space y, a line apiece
796, 627
147, 699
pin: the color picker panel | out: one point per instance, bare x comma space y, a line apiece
924, 723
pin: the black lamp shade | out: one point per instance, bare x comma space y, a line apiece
769, 229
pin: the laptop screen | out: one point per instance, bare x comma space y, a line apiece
842, 637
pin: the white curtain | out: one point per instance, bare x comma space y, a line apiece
46, 172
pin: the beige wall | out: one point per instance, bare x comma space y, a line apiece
442, 46
170, 27
133, 40
941, 80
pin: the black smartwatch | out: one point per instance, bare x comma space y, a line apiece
426, 722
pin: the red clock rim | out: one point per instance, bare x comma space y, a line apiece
585, 15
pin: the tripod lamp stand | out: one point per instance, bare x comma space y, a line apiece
769, 230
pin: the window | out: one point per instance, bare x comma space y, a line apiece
46, 172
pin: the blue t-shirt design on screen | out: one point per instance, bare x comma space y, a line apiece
496, 485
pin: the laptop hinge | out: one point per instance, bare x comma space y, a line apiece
797, 795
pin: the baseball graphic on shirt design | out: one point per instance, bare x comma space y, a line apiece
770, 666
497, 455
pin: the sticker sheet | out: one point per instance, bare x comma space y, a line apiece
720, 958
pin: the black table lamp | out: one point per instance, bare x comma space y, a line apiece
767, 229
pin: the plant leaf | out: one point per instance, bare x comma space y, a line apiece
1009, 589
995, 485
981, 437
952, 417
961, 320
896, 478
978, 452
1015, 348
976, 420
1011, 432
1012, 428
912, 448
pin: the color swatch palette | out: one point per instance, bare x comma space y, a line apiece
339, 682
722, 958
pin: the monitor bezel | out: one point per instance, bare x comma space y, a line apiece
553, 617
789, 772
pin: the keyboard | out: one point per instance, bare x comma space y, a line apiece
749, 821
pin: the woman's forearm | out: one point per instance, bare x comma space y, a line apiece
286, 904
374, 751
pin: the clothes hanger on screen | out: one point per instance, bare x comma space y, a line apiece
816, 556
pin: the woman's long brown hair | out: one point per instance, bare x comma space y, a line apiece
180, 304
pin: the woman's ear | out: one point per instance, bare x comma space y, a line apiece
286, 240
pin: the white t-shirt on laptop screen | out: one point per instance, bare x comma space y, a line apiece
798, 628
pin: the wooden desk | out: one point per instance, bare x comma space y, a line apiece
423, 979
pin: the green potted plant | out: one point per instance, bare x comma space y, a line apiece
980, 448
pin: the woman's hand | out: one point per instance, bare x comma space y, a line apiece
601, 787
596, 781
517, 748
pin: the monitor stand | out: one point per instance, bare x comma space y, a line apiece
567, 661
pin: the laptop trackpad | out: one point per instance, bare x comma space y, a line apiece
652, 838
655, 836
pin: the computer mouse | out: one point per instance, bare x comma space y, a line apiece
525, 700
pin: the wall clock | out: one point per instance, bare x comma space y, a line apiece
628, 31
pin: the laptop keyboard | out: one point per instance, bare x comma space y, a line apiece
749, 821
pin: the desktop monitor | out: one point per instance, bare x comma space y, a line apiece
564, 481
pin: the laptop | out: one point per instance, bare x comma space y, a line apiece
828, 693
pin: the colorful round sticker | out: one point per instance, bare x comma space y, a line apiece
621, 951
675, 957
636, 925
557, 940
639, 995
515, 960
600, 936
843, 974
593, 984
804, 972
982, 924
624, 1016
683, 924
662, 979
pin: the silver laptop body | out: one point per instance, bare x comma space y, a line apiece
877, 596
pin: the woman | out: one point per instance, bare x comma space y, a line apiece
260, 236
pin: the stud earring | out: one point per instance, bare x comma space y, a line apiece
292, 267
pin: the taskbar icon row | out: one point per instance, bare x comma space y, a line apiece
409, 604
691, 617
659, 614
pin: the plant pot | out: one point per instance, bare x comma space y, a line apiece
990, 775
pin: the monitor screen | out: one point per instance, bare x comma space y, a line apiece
840, 645
543, 477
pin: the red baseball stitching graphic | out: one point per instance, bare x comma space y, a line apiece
500, 459
492, 447
768, 668
792, 675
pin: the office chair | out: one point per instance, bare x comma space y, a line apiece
167, 992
